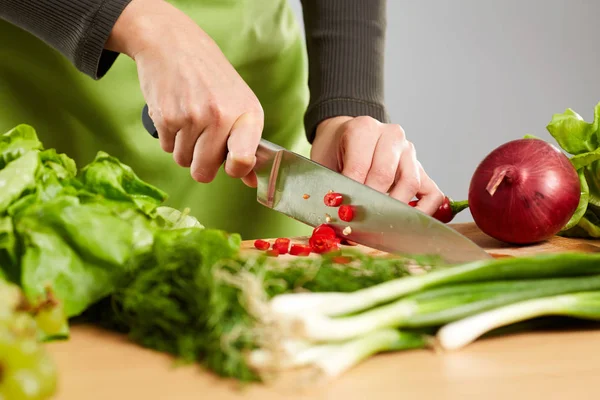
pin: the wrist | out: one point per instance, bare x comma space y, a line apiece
135, 26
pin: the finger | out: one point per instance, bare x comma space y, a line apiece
382, 174
185, 141
243, 141
209, 154
250, 180
409, 179
166, 122
358, 142
429, 194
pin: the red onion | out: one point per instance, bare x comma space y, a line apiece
524, 192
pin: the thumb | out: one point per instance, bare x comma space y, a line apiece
242, 143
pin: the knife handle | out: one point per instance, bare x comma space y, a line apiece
265, 153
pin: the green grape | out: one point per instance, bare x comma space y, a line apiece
21, 384
25, 353
27, 372
51, 320
47, 375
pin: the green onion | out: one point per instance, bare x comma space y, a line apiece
531, 267
433, 307
329, 361
455, 335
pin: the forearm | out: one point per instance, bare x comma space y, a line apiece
345, 43
77, 29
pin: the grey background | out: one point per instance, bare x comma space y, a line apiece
464, 76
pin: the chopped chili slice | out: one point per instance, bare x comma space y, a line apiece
282, 245
341, 259
346, 213
261, 244
282, 242
273, 253
324, 229
300, 250
333, 199
322, 243
413, 203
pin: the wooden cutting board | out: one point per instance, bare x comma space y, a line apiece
97, 364
555, 245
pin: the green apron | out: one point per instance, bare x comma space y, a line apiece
79, 116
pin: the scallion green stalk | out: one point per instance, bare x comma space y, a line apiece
458, 334
529, 267
434, 307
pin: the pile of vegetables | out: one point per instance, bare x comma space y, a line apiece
97, 244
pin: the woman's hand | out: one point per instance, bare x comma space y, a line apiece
377, 155
201, 107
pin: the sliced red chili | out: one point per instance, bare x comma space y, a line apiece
282, 242
322, 244
300, 250
333, 199
273, 253
261, 244
341, 259
346, 213
413, 203
324, 229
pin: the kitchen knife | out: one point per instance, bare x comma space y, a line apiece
380, 222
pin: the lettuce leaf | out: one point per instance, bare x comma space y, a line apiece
108, 177
80, 249
16, 142
581, 139
573, 133
18, 177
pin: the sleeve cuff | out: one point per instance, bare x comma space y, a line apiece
92, 59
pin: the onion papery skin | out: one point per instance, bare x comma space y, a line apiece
524, 192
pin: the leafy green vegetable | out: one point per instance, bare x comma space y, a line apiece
581, 139
73, 232
573, 134
113, 180
81, 250
171, 218
17, 177
16, 142
9, 257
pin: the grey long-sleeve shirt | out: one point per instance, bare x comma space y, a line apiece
345, 44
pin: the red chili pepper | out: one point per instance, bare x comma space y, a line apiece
324, 229
346, 213
261, 244
444, 212
300, 250
333, 199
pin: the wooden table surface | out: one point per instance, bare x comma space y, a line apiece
95, 364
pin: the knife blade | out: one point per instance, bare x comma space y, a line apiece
380, 222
